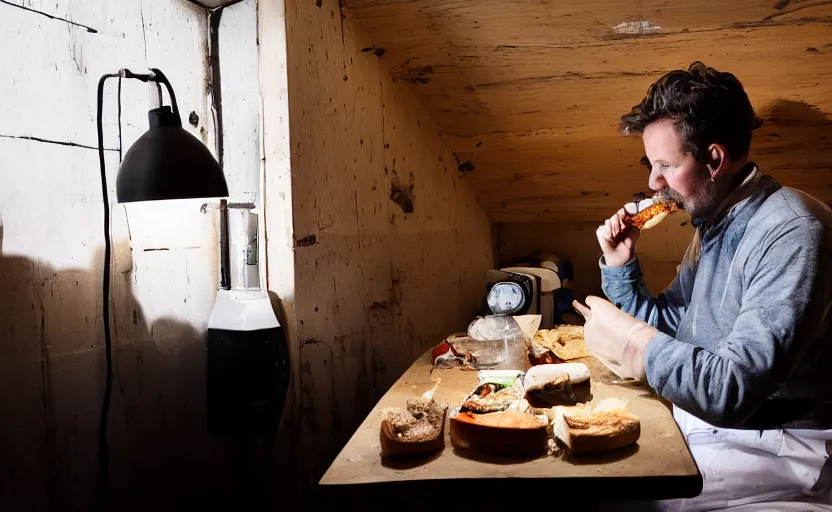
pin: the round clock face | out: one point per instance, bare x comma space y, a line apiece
505, 298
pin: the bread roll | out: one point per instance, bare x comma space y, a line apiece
654, 220
539, 375
417, 430
607, 426
547, 385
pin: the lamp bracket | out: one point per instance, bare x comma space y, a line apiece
155, 75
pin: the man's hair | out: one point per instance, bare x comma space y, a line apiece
707, 107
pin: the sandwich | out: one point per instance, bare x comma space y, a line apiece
648, 213
418, 429
549, 385
496, 418
586, 429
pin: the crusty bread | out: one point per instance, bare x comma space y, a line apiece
538, 376
607, 426
419, 429
654, 220
509, 432
557, 384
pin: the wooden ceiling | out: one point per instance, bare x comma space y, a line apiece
528, 93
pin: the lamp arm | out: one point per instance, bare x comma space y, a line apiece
158, 76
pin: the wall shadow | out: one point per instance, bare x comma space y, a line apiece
52, 378
794, 145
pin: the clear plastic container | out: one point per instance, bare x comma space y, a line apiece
486, 353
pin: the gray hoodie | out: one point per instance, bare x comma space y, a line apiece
745, 337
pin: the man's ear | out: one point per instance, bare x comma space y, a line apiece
718, 160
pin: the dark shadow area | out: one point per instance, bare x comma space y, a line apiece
494, 459
52, 375
794, 145
499, 493
793, 113
410, 461
601, 458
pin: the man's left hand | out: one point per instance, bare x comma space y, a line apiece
615, 336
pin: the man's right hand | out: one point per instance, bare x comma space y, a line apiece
617, 240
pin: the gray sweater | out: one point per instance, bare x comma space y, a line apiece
745, 337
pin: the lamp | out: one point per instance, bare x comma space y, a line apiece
166, 162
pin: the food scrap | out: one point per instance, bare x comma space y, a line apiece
445, 355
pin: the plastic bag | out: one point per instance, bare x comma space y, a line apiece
497, 340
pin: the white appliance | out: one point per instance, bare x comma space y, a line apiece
523, 291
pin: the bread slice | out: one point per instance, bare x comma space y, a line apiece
419, 429
607, 426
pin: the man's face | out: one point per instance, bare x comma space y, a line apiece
675, 173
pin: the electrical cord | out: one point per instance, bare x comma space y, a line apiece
103, 454
103, 451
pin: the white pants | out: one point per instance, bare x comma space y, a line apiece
776, 470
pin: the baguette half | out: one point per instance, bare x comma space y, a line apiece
604, 427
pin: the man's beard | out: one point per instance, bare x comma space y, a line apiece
700, 206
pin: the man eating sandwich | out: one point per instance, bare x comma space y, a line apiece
740, 340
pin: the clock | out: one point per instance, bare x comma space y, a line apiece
509, 293
506, 298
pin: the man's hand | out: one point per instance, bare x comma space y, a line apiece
618, 241
615, 336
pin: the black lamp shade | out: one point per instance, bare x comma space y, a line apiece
167, 162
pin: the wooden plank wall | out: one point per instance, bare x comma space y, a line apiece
164, 272
659, 249
390, 244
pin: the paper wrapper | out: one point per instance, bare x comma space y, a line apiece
565, 342
611, 368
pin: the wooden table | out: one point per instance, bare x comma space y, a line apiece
660, 466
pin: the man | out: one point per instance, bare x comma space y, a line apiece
740, 341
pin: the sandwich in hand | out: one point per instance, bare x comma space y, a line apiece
648, 213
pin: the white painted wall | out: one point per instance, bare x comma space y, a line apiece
164, 275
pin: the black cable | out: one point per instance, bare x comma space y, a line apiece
119, 120
104, 458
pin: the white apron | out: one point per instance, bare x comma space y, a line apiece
772, 470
